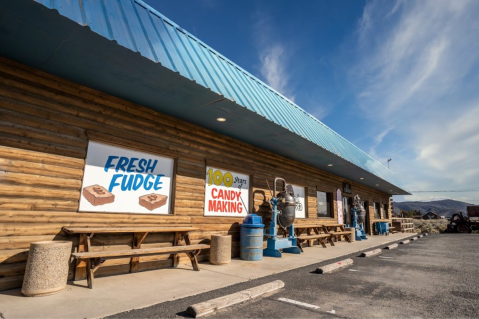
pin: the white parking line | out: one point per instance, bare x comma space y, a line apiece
298, 303
353, 270
385, 257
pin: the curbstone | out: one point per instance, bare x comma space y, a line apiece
414, 238
371, 253
420, 236
213, 305
392, 246
404, 242
425, 234
334, 266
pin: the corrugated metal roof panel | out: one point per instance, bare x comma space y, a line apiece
138, 27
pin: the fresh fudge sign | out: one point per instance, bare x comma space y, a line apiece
120, 180
226, 193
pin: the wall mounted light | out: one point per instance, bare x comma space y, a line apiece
221, 119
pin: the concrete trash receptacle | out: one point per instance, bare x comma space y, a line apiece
353, 233
47, 268
220, 249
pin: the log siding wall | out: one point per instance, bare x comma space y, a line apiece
45, 125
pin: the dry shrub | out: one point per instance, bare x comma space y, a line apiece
431, 226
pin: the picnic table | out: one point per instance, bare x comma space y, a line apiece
88, 262
337, 230
310, 232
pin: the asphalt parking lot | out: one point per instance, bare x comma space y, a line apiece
434, 277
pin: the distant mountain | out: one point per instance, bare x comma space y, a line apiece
445, 207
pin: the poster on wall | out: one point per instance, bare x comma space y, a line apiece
299, 195
340, 207
120, 180
226, 193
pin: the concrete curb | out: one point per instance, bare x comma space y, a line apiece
371, 253
392, 246
334, 266
414, 238
213, 305
405, 242
420, 236
425, 234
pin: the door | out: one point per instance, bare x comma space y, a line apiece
367, 222
347, 202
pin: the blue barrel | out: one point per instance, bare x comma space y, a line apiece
251, 238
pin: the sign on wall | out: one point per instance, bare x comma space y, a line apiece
347, 188
299, 195
340, 206
226, 193
120, 180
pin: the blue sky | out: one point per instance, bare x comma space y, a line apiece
399, 79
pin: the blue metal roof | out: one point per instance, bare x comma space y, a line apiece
139, 28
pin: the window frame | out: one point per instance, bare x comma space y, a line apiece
329, 204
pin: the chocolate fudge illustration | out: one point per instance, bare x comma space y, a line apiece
98, 195
153, 201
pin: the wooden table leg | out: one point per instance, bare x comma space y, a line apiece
177, 242
81, 265
192, 256
136, 244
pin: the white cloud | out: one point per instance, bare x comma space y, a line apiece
273, 68
416, 77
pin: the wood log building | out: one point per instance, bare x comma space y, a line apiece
79, 76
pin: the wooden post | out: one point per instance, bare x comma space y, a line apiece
80, 271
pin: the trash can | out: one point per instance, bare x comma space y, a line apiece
220, 249
47, 268
251, 238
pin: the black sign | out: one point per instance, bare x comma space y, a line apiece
347, 188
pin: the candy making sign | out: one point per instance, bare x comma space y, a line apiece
226, 193
120, 180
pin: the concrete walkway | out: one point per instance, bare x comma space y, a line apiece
121, 293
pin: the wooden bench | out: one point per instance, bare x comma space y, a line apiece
319, 237
89, 261
96, 258
335, 233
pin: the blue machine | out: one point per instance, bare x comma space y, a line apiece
286, 203
358, 219
382, 228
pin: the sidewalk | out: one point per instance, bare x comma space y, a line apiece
121, 293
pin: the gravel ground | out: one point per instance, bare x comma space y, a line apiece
435, 277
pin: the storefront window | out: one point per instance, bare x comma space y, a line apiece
325, 203
377, 214
385, 211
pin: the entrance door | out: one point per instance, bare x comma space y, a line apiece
367, 223
347, 202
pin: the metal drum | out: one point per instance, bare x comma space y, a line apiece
287, 208
251, 238
361, 214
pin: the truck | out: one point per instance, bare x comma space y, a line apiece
464, 224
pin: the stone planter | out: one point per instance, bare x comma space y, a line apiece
47, 268
220, 249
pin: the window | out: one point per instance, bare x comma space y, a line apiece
325, 204
385, 211
377, 214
